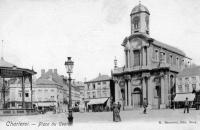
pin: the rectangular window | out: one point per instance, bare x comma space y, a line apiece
20, 94
193, 79
180, 81
93, 86
104, 82
13, 104
52, 90
39, 99
46, 90
187, 88
187, 80
26, 94
163, 59
170, 59
194, 86
177, 62
180, 88
136, 57
156, 55
99, 83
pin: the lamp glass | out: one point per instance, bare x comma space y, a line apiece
69, 64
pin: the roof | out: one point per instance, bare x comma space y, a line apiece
50, 76
9, 70
4, 63
193, 71
100, 78
139, 8
168, 47
45, 81
155, 42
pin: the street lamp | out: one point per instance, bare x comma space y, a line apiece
69, 67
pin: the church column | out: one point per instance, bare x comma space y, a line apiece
23, 92
126, 91
144, 88
143, 56
31, 87
150, 91
129, 92
129, 59
162, 91
116, 91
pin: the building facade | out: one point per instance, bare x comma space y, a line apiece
97, 89
51, 91
14, 97
188, 80
150, 66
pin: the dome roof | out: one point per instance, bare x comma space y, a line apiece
139, 8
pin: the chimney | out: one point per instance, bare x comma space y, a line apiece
42, 72
50, 71
50, 77
99, 74
55, 71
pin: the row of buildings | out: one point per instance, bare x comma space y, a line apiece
49, 91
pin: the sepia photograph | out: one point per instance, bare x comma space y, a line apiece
100, 64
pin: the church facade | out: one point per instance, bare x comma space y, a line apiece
150, 66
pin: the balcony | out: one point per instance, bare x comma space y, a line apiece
121, 70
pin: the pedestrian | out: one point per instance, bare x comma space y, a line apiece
116, 116
187, 105
119, 106
145, 104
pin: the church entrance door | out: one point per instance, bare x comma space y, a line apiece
136, 98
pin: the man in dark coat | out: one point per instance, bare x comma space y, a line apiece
119, 106
145, 104
187, 105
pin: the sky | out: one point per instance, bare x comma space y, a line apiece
43, 33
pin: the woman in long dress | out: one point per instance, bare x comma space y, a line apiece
116, 116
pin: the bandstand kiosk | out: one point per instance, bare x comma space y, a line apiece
7, 71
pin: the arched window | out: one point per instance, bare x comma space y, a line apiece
147, 22
136, 21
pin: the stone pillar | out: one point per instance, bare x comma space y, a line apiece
23, 92
162, 105
144, 88
129, 92
126, 87
129, 59
31, 87
150, 91
116, 91
144, 56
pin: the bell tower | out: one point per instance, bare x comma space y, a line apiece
140, 19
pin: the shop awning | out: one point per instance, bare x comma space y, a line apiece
45, 104
97, 101
182, 97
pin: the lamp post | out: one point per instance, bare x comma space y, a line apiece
69, 67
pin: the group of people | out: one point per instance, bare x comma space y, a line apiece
116, 112
116, 109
